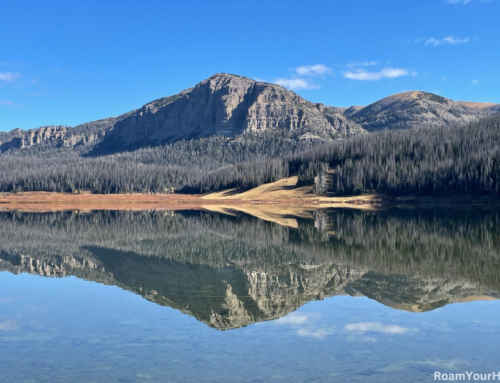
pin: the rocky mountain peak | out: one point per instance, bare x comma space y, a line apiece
411, 109
226, 105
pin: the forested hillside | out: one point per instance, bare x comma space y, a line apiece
444, 161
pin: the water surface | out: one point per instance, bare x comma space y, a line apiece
196, 296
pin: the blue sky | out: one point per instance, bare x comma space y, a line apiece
68, 62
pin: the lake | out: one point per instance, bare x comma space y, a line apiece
337, 295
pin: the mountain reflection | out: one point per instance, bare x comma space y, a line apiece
233, 270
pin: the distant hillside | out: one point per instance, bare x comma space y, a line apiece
416, 109
493, 109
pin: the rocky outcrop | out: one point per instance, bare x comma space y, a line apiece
53, 136
54, 266
81, 136
414, 109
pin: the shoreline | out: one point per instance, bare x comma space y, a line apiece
49, 198
282, 211
283, 193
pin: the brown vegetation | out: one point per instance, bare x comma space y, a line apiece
270, 202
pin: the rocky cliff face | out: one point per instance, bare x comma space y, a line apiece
227, 105
59, 136
45, 134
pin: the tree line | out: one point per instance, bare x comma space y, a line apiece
430, 161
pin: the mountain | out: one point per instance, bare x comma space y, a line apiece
414, 109
223, 105
234, 132
494, 109
227, 105
230, 106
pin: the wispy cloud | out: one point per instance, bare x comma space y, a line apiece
302, 77
465, 1
364, 75
450, 40
9, 76
313, 70
475, 82
320, 333
301, 323
9, 325
9, 299
362, 328
362, 63
296, 83
10, 103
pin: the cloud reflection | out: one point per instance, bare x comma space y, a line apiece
9, 325
377, 327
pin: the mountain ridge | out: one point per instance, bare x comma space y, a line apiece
230, 105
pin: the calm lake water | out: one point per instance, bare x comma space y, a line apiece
333, 296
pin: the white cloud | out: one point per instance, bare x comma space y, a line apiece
376, 327
364, 75
320, 333
301, 323
475, 81
313, 70
9, 76
296, 83
9, 325
362, 63
451, 40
